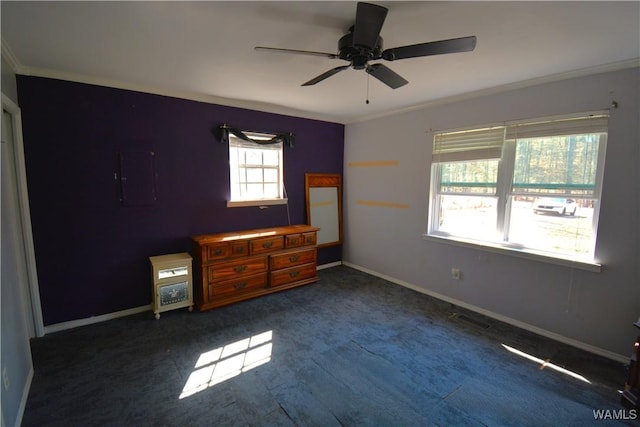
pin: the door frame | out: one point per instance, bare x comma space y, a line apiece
33, 309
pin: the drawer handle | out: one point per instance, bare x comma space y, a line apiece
240, 285
294, 241
294, 258
240, 268
267, 245
240, 250
218, 251
294, 274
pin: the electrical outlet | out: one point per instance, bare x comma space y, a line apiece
5, 379
456, 274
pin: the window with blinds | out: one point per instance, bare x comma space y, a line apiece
532, 185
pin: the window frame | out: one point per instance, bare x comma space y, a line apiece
238, 143
504, 193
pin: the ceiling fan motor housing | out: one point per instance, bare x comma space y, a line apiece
358, 55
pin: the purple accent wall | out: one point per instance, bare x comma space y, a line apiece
91, 251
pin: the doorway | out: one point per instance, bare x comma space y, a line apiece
18, 255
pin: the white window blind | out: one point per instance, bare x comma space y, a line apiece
487, 143
237, 143
559, 127
468, 145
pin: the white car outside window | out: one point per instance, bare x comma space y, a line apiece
557, 205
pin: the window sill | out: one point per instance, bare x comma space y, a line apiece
260, 203
580, 264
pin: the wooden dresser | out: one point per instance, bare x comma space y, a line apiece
236, 266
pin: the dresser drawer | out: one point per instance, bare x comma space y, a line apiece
293, 274
267, 244
217, 251
239, 248
300, 239
309, 238
220, 251
292, 258
240, 267
294, 240
227, 288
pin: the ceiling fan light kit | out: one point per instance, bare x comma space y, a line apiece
363, 43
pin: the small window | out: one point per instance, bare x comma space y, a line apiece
255, 171
533, 186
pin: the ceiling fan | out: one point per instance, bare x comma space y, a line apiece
363, 43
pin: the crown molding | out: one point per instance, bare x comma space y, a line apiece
176, 93
10, 57
583, 72
277, 109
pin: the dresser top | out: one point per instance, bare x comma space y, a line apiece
253, 234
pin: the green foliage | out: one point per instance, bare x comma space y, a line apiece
478, 176
559, 164
549, 165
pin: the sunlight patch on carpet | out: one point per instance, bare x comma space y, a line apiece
546, 364
222, 363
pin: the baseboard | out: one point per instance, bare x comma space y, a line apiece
329, 265
23, 401
57, 327
517, 323
514, 322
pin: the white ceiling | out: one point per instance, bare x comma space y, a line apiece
204, 50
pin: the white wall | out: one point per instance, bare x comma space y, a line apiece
14, 337
594, 309
9, 81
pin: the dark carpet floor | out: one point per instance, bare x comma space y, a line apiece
349, 350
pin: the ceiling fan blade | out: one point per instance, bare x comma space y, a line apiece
325, 75
462, 44
369, 20
386, 75
297, 52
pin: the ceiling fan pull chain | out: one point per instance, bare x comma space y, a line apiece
367, 101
